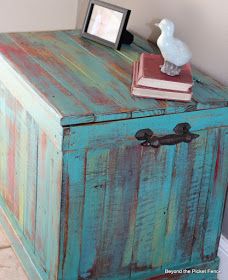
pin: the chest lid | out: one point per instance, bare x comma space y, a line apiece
85, 82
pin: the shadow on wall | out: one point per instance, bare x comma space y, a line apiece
82, 7
155, 31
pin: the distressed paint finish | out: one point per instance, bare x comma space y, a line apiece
166, 210
49, 180
30, 182
109, 223
88, 82
80, 197
14, 140
30, 188
216, 196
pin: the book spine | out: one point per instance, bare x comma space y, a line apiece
133, 76
141, 67
163, 98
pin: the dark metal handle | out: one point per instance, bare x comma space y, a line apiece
182, 134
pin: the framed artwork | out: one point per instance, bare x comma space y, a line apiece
105, 23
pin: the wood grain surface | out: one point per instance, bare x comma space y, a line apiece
87, 82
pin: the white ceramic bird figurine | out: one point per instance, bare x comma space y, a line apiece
174, 51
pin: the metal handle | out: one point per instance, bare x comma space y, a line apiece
182, 134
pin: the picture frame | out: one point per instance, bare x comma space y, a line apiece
106, 24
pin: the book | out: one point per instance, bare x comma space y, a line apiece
150, 74
150, 92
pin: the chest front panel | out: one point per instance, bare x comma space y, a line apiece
139, 208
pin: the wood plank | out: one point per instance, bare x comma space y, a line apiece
3, 142
118, 64
96, 182
21, 166
49, 183
114, 252
93, 85
183, 220
176, 204
44, 84
54, 204
30, 188
126, 130
42, 206
62, 61
206, 183
124, 57
152, 205
11, 155
71, 211
23, 161
216, 198
189, 197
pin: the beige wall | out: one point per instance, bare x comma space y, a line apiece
33, 15
203, 25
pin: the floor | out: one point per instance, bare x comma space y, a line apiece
10, 267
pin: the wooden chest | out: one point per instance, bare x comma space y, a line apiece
80, 197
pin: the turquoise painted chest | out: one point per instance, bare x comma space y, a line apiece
80, 197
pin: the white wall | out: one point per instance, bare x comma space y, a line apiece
36, 15
203, 25
223, 255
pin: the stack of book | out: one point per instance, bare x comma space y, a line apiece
150, 82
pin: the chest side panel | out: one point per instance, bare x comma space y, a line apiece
216, 195
133, 210
30, 181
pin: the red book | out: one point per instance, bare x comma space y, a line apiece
150, 92
150, 74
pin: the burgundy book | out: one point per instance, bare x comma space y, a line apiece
151, 76
150, 92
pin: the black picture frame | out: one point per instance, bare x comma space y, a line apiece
123, 34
